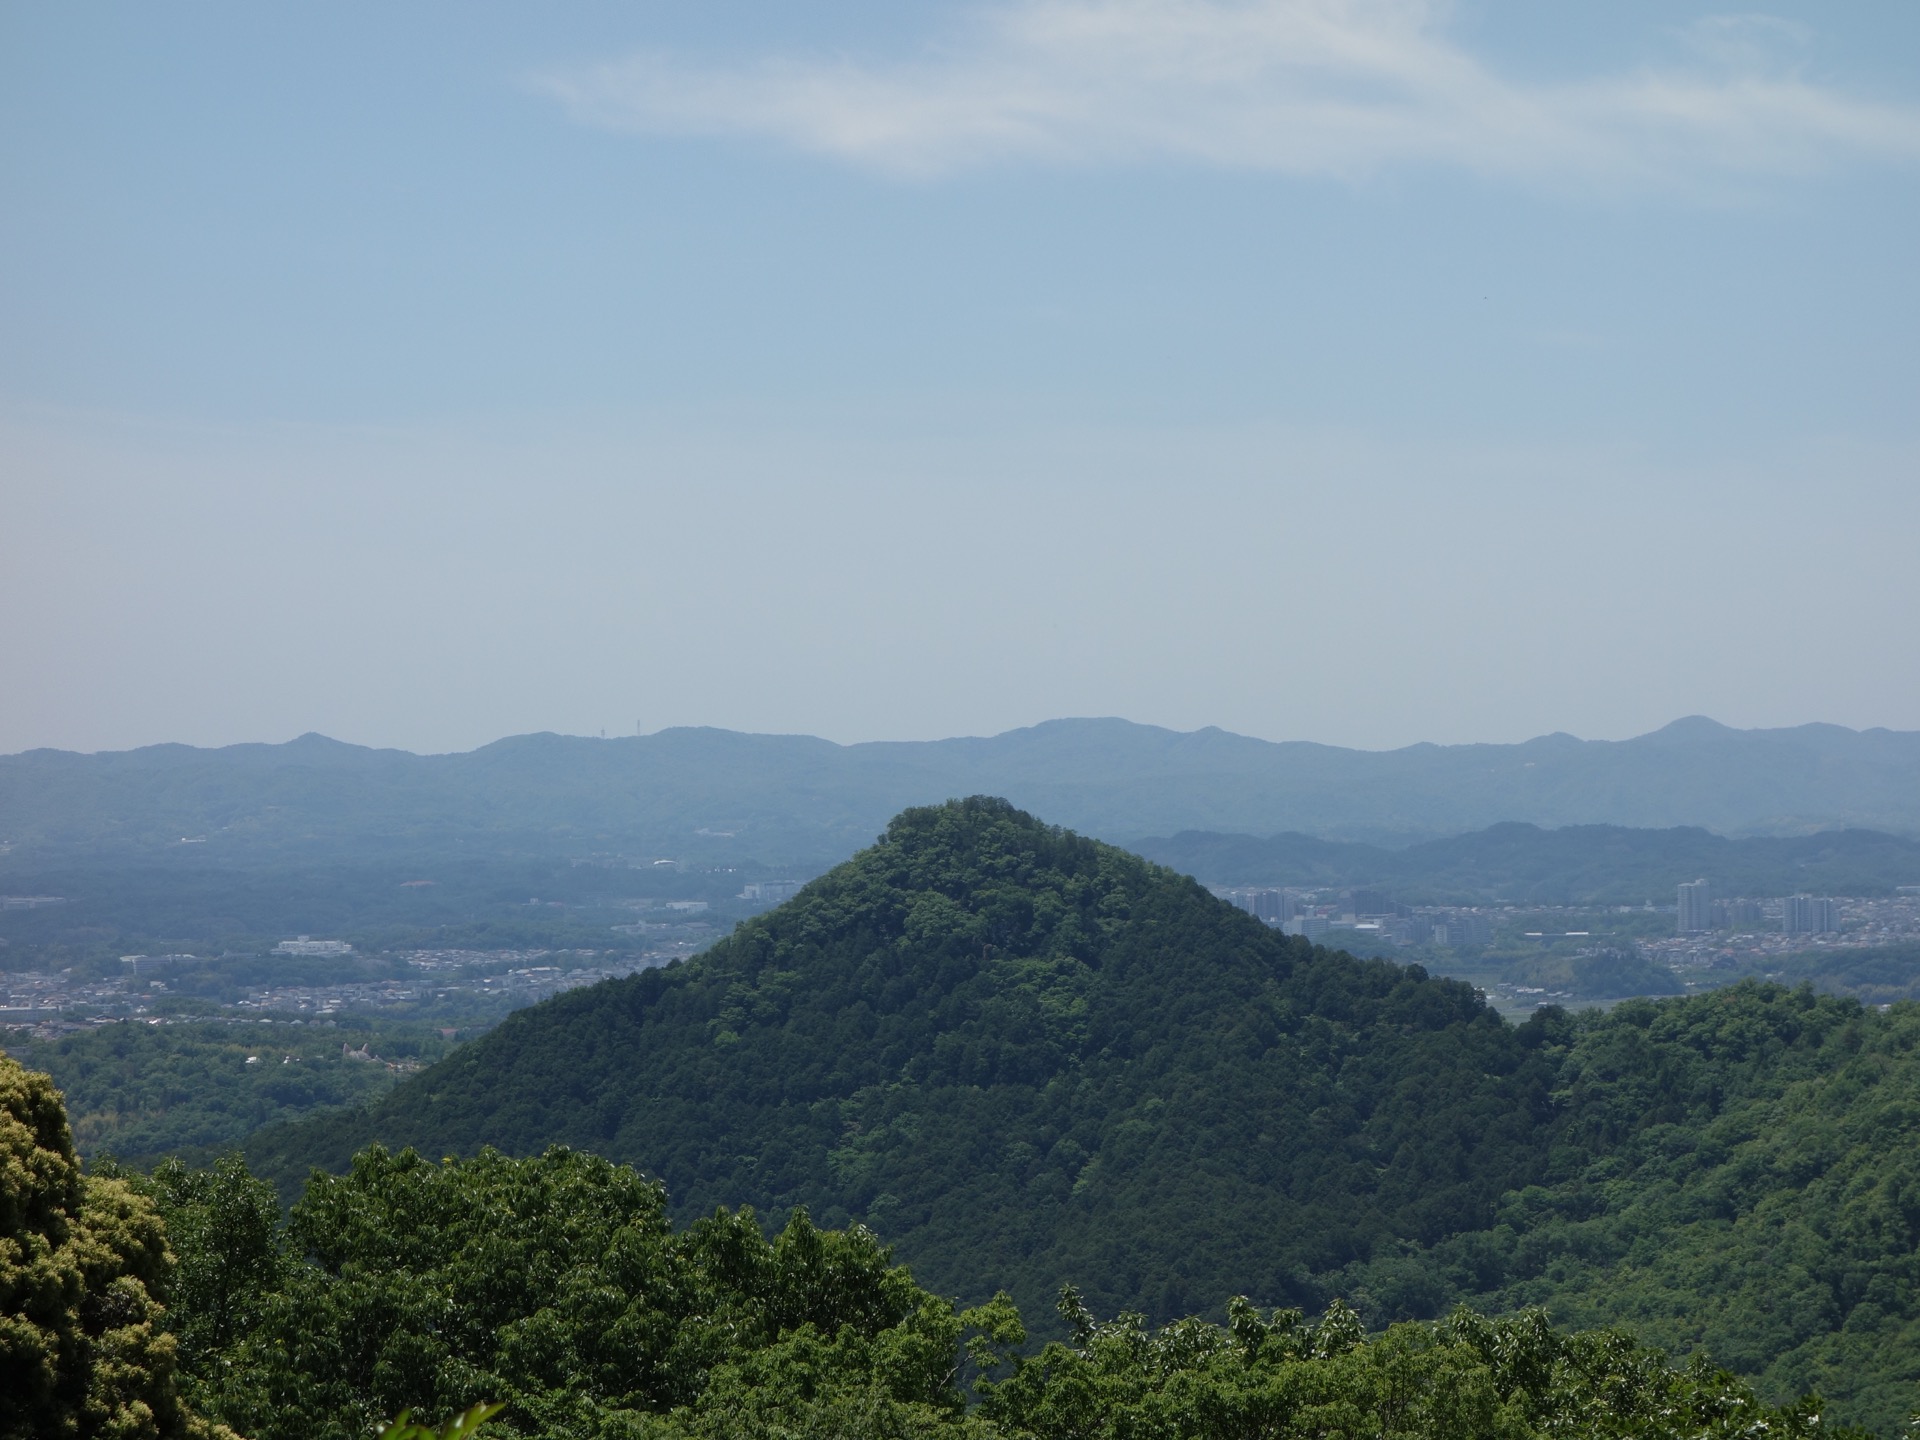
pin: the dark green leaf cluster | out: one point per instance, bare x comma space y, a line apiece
1509, 1379
1738, 1173
557, 1286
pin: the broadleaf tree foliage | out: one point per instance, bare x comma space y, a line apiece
558, 1287
84, 1265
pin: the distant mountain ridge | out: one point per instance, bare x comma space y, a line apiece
798, 799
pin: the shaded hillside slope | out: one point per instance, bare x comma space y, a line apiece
1736, 1172
1578, 864
1026, 1058
786, 799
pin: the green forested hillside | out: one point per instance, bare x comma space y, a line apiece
141, 1092
556, 1289
555, 1294
1028, 1059
1736, 1172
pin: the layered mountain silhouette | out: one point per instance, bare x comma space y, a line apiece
798, 800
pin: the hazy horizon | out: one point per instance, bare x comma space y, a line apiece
1011, 730
1374, 372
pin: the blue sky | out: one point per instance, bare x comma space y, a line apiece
1367, 371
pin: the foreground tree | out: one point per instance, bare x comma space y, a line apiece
558, 1285
84, 1265
1280, 1378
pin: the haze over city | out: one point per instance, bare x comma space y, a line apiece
1368, 373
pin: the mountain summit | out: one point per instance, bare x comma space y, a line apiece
1025, 1058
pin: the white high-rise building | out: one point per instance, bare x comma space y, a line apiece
1696, 908
1809, 915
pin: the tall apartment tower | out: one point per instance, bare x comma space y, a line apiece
1809, 915
1370, 902
1696, 908
1276, 907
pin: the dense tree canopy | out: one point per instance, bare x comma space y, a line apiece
139, 1091
555, 1283
1509, 1379
83, 1265
1738, 1172
558, 1287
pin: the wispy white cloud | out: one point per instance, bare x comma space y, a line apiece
1339, 88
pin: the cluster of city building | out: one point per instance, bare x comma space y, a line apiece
771, 892
307, 945
513, 985
33, 998
1366, 913
1698, 912
1784, 928
451, 981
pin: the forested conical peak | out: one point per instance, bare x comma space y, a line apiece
1026, 1057
961, 824
964, 844
981, 877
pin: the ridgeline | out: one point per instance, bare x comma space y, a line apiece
703, 794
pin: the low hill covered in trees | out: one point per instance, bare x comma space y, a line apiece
1027, 1059
555, 1293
